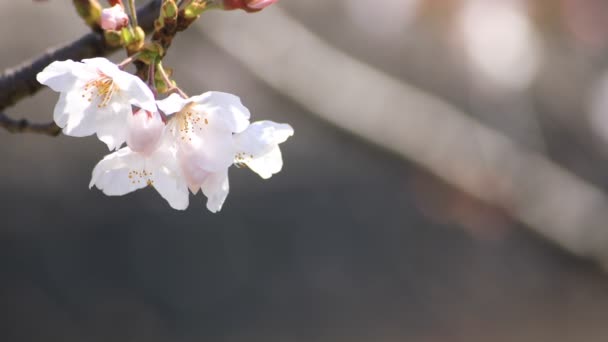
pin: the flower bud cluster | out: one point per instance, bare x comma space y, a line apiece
176, 145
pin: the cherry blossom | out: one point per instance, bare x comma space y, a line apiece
203, 126
95, 97
125, 171
177, 145
212, 132
258, 147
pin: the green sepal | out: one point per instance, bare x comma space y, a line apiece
150, 53
90, 11
113, 38
168, 13
196, 7
127, 35
169, 10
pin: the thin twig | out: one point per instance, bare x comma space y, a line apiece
24, 126
134, 13
127, 61
168, 82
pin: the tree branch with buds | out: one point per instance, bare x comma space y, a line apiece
20, 81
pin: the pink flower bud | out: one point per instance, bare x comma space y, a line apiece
259, 4
114, 18
248, 5
144, 130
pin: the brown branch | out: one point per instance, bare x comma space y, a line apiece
20, 82
24, 126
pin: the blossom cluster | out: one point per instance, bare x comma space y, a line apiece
177, 144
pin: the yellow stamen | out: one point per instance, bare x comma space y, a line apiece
102, 87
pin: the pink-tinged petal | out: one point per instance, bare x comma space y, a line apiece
203, 140
144, 130
212, 152
260, 4
216, 188
247, 5
191, 170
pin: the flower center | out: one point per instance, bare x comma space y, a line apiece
137, 177
102, 87
190, 121
241, 159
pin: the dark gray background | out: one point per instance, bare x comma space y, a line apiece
347, 243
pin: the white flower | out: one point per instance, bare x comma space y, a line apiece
125, 171
95, 97
203, 127
114, 18
194, 150
213, 132
258, 147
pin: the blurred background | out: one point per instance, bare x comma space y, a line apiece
446, 182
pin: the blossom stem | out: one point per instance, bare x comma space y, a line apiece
152, 80
133, 10
127, 61
168, 82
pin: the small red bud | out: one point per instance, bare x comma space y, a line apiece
247, 5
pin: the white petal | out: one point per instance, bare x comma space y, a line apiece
167, 177
81, 116
139, 93
111, 175
267, 164
60, 116
61, 75
172, 104
102, 64
112, 129
171, 187
194, 175
216, 189
261, 137
213, 151
226, 107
